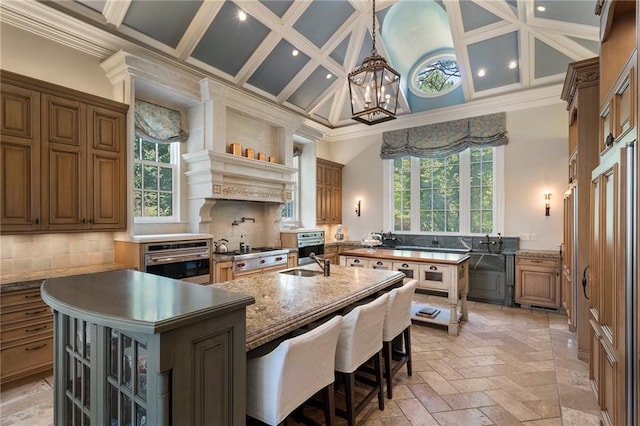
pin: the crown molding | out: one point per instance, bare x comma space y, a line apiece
532, 98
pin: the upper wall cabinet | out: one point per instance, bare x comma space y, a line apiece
328, 192
618, 62
63, 158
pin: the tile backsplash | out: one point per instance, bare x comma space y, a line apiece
42, 252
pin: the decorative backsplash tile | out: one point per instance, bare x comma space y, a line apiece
42, 252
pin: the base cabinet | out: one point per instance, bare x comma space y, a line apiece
538, 280
26, 340
177, 358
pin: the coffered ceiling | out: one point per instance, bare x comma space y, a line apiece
297, 54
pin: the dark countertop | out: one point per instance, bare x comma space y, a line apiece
136, 301
408, 255
285, 303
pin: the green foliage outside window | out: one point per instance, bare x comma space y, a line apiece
440, 206
153, 175
439, 76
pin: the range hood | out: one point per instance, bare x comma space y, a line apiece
225, 176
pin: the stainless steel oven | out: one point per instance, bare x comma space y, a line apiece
182, 260
306, 242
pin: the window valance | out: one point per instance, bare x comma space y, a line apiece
444, 139
158, 124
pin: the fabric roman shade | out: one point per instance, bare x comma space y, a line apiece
443, 139
158, 124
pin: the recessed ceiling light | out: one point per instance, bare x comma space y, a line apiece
513, 64
541, 8
482, 72
242, 15
295, 52
329, 76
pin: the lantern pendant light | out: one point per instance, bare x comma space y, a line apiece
374, 87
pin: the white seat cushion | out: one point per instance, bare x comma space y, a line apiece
361, 335
397, 316
279, 382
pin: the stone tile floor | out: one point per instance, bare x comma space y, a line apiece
508, 366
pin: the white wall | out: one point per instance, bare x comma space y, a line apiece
27, 54
536, 162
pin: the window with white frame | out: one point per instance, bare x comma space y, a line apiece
454, 194
154, 183
291, 208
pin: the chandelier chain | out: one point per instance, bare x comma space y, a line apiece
374, 52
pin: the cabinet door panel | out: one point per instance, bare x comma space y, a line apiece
19, 159
63, 120
64, 193
107, 198
106, 130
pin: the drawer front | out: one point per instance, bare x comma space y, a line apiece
28, 356
410, 270
436, 277
537, 261
330, 250
380, 264
356, 262
20, 297
35, 312
30, 329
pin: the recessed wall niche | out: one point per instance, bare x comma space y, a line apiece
253, 134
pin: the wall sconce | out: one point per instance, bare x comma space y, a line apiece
547, 204
358, 208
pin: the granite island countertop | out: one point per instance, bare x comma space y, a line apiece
284, 303
408, 255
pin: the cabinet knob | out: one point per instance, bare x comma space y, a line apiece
609, 140
433, 268
37, 221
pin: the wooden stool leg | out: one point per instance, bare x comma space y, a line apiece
378, 368
387, 349
329, 405
407, 348
350, 396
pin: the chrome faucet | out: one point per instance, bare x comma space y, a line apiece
324, 264
243, 219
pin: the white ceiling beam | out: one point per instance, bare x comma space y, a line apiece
567, 28
115, 10
454, 16
499, 8
198, 27
257, 58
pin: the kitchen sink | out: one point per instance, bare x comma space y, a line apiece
302, 272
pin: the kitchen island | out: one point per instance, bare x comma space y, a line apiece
435, 272
285, 303
136, 348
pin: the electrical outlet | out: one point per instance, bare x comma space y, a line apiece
534, 237
525, 237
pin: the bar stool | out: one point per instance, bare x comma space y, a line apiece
397, 321
360, 341
298, 368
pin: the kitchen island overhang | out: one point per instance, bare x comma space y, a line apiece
284, 303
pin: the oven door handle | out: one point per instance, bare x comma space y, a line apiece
310, 244
176, 258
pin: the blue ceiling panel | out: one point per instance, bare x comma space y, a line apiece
592, 45
279, 7
575, 11
312, 88
513, 3
340, 52
493, 55
549, 61
474, 16
162, 20
322, 19
93, 4
228, 42
325, 109
278, 69
345, 113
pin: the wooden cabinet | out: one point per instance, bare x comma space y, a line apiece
581, 92
222, 271
328, 192
292, 259
66, 154
331, 253
612, 279
19, 158
537, 280
26, 336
